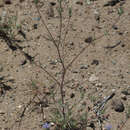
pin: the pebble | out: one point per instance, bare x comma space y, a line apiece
123, 97
53, 3
98, 85
88, 40
35, 26
95, 62
2, 112
7, 1
113, 90
19, 106
97, 16
126, 92
84, 67
114, 27
79, 2
72, 95
118, 105
93, 78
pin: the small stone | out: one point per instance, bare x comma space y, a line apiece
72, 95
83, 103
120, 33
115, 27
72, 43
92, 125
19, 106
79, 3
98, 85
123, 97
112, 3
35, 26
93, 78
118, 105
53, 3
52, 123
7, 1
113, 90
95, 62
2, 112
84, 67
53, 62
23, 62
126, 92
97, 16
88, 40
75, 71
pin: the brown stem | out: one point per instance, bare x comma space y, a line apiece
62, 92
60, 14
53, 40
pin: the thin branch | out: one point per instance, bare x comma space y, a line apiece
60, 27
65, 37
53, 40
40, 66
73, 60
43, 22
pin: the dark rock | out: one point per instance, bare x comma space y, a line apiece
35, 26
92, 125
118, 105
95, 62
97, 17
7, 1
112, 2
72, 95
123, 97
53, 3
79, 3
84, 67
125, 92
88, 40
120, 33
24, 62
123, 45
115, 27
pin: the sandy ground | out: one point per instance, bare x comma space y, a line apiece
103, 68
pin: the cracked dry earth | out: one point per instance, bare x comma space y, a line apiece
102, 69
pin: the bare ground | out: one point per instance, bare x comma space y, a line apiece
107, 60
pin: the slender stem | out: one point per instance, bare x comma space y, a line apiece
53, 40
43, 21
40, 66
60, 14
59, 55
69, 65
62, 92
65, 38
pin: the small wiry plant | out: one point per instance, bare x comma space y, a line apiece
63, 116
8, 25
